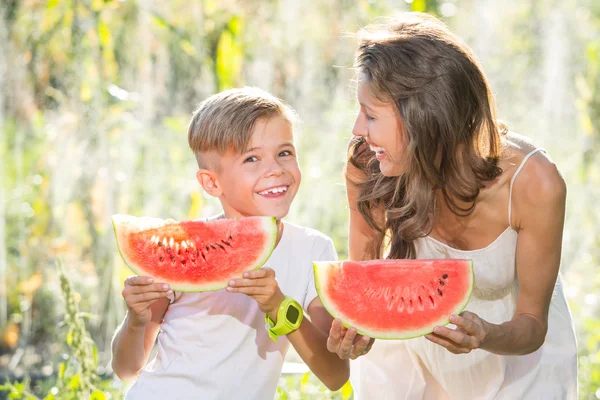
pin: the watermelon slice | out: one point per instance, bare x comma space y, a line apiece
394, 299
194, 255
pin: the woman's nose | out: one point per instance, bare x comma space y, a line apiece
360, 126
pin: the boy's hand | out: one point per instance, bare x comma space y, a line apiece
140, 292
347, 343
262, 286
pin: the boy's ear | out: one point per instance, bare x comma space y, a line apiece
209, 182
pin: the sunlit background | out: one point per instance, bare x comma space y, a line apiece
95, 96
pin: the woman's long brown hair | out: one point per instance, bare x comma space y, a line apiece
452, 136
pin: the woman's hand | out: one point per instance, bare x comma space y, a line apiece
469, 334
346, 343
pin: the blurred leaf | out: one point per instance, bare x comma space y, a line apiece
61, 370
97, 5
50, 4
74, 382
86, 92
229, 60
196, 205
236, 25
159, 21
104, 33
188, 48
419, 5
304, 380
347, 391
97, 395
95, 353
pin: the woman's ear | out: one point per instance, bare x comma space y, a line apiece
209, 182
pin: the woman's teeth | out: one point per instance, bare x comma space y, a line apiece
378, 150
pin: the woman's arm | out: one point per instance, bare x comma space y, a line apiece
360, 234
539, 205
539, 197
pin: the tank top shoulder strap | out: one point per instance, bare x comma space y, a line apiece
512, 181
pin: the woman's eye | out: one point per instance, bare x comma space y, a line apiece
251, 159
369, 118
285, 153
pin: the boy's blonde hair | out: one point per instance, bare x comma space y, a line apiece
224, 121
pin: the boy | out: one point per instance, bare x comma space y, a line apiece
216, 345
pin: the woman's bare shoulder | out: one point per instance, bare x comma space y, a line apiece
539, 182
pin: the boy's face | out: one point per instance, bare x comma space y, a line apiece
261, 181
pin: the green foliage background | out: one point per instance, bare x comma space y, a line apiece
95, 96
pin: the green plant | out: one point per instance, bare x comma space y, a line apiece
77, 378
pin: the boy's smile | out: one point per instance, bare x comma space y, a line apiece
264, 179
274, 192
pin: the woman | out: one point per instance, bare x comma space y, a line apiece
432, 174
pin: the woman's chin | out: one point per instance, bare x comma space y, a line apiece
390, 170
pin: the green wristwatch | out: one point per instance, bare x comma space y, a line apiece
289, 318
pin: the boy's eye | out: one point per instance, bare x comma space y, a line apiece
285, 153
251, 159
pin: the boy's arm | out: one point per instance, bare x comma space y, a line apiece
134, 338
310, 339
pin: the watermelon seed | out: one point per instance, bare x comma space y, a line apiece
226, 242
444, 276
183, 261
172, 258
203, 256
159, 244
197, 253
221, 246
230, 238
168, 250
440, 292
207, 249
442, 282
432, 302
420, 303
213, 247
161, 258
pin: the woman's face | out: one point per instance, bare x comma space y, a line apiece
381, 125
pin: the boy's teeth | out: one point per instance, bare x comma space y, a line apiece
274, 190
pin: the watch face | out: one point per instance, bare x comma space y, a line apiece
292, 314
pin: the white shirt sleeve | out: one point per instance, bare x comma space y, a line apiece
326, 254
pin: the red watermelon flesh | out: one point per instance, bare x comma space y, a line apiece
394, 299
194, 255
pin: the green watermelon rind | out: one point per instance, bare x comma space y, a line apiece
270, 227
321, 278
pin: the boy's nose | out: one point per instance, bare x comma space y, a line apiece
275, 169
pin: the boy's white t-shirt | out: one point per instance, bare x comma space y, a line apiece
214, 345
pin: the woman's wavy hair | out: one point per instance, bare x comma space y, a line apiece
453, 140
